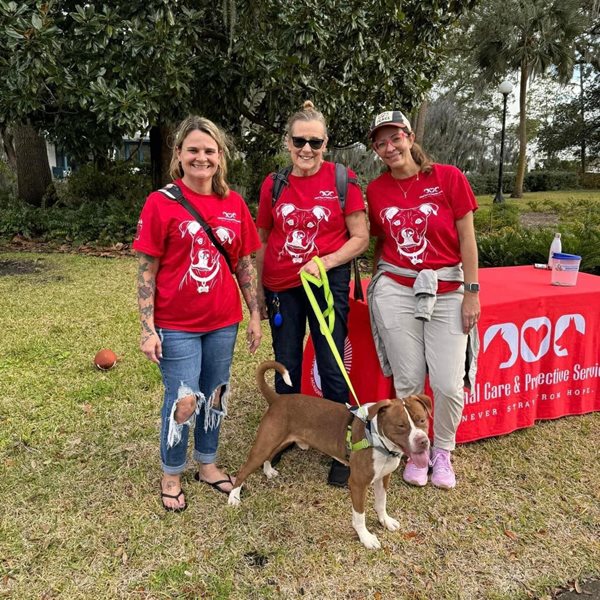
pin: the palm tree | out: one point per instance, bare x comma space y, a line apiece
530, 37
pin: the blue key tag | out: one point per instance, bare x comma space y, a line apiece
277, 316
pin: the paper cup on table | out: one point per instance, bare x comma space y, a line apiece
565, 268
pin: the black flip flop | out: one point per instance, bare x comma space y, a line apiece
170, 508
216, 484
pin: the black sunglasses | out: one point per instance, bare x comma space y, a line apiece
300, 142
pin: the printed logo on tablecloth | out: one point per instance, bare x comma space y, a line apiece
533, 340
315, 377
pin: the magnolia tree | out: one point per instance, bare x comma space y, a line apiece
85, 74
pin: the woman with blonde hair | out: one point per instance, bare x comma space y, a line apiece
188, 277
305, 221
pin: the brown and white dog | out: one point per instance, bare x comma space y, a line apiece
318, 423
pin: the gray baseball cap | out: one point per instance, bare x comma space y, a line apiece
390, 117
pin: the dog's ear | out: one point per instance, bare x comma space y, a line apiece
381, 405
283, 210
425, 401
191, 227
387, 214
429, 208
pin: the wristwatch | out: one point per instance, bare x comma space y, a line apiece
471, 287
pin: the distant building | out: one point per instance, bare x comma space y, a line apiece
61, 164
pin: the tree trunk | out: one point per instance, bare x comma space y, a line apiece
8, 144
160, 153
582, 149
518, 191
33, 169
420, 124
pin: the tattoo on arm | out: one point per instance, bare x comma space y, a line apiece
246, 276
146, 286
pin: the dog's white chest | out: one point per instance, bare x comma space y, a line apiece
383, 464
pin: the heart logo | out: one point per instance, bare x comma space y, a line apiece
534, 335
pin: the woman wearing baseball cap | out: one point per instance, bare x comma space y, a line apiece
424, 296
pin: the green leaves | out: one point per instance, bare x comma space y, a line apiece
117, 67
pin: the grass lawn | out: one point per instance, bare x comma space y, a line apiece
80, 515
562, 196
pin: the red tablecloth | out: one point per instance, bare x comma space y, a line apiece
539, 356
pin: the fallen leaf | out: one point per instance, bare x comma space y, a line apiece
511, 534
377, 595
87, 408
124, 558
577, 586
410, 535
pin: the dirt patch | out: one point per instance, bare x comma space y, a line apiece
588, 589
22, 244
22, 267
538, 219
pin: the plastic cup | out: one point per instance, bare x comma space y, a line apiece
565, 268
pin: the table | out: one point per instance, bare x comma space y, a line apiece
539, 356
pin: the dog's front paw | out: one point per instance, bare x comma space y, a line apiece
269, 471
369, 540
234, 497
389, 523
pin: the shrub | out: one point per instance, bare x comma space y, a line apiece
121, 181
496, 216
92, 207
543, 181
590, 180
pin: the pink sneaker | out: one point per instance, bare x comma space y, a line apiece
443, 473
415, 475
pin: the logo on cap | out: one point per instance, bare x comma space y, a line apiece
384, 117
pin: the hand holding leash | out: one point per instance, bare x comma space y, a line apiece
328, 313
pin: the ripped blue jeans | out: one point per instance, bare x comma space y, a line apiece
196, 364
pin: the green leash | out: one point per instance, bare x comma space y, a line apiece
326, 318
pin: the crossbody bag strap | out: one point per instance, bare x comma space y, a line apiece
173, 191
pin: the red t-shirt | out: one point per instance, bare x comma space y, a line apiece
416, 219
195, 291
306, 221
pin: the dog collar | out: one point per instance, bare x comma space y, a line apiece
372, 437
377, 439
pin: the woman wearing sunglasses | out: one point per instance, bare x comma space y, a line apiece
421, 311
307, 220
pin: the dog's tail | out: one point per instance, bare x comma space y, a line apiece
267, 391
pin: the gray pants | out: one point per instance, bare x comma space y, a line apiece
413, 346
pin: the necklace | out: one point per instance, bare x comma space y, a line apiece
405, 192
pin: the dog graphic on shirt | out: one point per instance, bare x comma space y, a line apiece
301, 226
408, 227
205, 261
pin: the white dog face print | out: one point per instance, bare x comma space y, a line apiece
408, 226
300, 226
205, 264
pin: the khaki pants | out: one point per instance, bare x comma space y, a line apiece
416, 347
